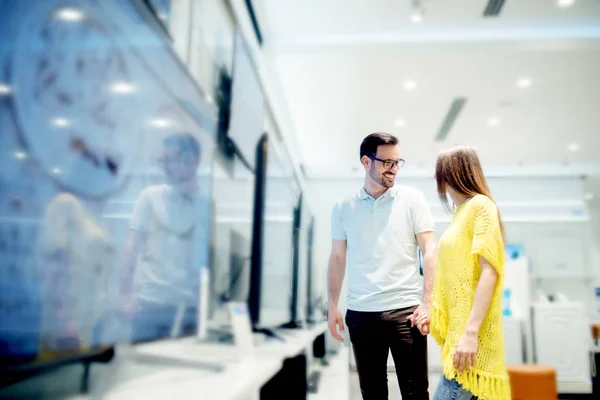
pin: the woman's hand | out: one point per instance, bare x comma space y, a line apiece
420, 318
465, 354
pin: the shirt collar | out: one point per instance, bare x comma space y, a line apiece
363, 195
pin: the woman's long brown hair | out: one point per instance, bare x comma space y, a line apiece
459, 168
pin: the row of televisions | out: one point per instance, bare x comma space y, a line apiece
93, 104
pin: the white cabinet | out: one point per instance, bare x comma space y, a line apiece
513, 340
517, 280
563, 342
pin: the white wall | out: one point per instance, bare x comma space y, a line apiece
546, 214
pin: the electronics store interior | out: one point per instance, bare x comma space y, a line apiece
166, 191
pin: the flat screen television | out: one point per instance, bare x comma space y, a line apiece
272, 245
105, 182
313, 298
247, 114
233, 189
299, 266
239, 282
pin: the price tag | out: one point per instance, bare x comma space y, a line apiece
242, 328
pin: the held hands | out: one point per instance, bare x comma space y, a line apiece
335, 320
465, 355
420, 318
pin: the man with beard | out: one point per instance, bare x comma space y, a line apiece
377, 232
168, 231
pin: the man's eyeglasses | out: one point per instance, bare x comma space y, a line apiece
389, 164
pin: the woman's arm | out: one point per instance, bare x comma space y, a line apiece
466, 350
483, 295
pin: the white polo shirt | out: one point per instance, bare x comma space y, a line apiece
176, 245
382, 261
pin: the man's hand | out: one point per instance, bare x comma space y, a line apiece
421, 319
129, 307
335, 319
465, 355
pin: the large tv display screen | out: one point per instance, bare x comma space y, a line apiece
233, 193
105, 180
278, 238
247, 104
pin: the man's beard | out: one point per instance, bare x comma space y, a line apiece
381, 180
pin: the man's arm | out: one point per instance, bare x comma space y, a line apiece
135, 240
428, 247
421, 316
335, 279
336, 271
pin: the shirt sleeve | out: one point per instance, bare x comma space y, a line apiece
337, 228
487, 235
141, 213
422, 218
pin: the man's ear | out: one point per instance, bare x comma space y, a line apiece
366, 161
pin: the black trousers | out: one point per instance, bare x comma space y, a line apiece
373, 335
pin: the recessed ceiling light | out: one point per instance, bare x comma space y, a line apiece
523, 83
69, 14
209, 99
493, 122
56, 171
61, 122
121, 87
416, 18
400, 123
588, 196
565, 3
5, 89
160, 123
19, 155
410, 85
573, 147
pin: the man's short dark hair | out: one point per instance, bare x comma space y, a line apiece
369, 145
185, 142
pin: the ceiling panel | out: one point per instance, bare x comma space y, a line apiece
281, 18
336, 99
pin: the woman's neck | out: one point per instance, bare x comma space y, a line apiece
459, 199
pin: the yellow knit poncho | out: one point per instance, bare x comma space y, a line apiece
474, 231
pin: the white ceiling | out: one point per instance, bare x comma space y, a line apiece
342, 66
280, 19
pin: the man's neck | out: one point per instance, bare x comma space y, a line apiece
187, 187
374, 189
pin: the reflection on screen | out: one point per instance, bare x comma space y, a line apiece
247, 108
234, 201
280, 201
105, 181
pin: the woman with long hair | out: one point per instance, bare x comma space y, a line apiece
466, 315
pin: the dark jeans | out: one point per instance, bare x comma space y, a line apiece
373, 335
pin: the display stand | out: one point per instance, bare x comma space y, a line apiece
269, 333
17, 373
134, 362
